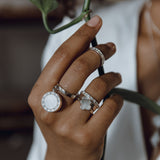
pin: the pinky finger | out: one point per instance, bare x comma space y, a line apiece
102, 119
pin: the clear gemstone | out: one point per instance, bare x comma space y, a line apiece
85, 104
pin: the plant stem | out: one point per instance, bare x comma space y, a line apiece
86, 5
137, 98
94, 43
75, 21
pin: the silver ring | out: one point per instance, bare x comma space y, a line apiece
51, 101
59, 89
87, 102
99, 53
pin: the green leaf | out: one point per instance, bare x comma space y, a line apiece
45, 6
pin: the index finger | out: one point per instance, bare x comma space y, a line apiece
68, 51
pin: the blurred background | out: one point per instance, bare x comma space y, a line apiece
22, 39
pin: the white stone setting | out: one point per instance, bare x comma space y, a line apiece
85, 104
51, 102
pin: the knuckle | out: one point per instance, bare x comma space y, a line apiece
63, 130
111, 79
46, 118
30, 100
84, 138
84, 32
100, 84
110, 109
113, 106
115, 77
81, 66
118, 100
33, 100
64, 51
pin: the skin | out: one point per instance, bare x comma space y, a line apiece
148, 71
72, 133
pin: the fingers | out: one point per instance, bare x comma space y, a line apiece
83, 66
105, 115
62, 59
98, 89
66, 54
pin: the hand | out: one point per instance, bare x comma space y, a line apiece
72, 133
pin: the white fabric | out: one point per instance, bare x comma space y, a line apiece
120, 25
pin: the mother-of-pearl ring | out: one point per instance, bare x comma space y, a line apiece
87, 102
52, 101
99, 53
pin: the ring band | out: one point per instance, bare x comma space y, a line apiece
87, 102
61, 90
99, 52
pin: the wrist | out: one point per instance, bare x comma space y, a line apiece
51, 155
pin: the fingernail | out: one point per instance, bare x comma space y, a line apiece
112, 46
93, 22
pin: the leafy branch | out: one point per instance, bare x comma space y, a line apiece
46, 6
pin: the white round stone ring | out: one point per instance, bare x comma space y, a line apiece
51, 101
